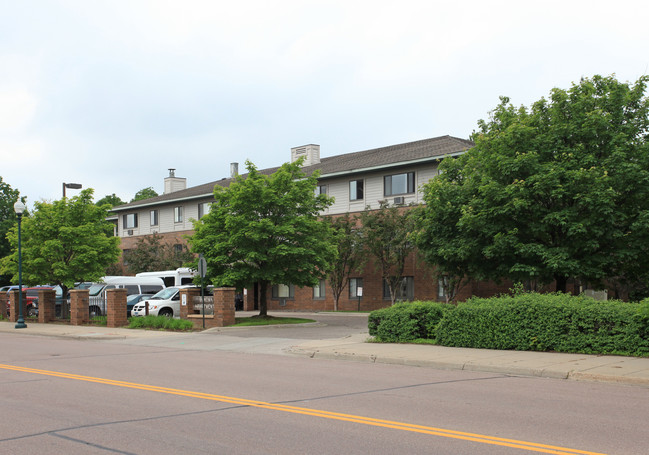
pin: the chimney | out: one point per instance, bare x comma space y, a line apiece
311, 152
173, 183
234, 170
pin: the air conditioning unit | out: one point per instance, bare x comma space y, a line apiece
399, 200
130, 232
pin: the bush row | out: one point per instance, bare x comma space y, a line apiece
530, 321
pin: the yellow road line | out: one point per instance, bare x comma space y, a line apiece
484, 439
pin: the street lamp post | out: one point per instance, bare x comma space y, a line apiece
72, 186
19, 208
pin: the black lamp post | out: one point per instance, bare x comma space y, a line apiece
19, 208
74, 186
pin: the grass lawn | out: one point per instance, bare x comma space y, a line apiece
268, 320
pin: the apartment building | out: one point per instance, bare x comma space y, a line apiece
355, 180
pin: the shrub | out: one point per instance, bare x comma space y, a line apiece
160, 322
405, 322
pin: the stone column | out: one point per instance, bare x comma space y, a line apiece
116, 313
46, 305
4, 298
80, 306
224, 306
188, 294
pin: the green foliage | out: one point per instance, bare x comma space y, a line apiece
160, 323
266, 229
555, 191
8, 197
347, 241
63, 242
547, 322
144, 193
152, 253
406, 322
525, 321
111, 200
387, 236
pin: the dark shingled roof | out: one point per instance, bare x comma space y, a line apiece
417, 151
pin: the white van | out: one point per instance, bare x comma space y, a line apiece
132, 284
179, 277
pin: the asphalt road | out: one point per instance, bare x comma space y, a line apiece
78, 396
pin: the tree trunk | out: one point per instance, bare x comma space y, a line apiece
263, 306
562, 283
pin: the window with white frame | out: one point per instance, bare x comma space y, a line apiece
204, 209
442, 284
129, 221
396, 184
154, 217
404, 291
178, 214
283, 291
319, 290
321, 189
356, 190
355, 285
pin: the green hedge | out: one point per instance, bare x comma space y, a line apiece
405, 322
538, 322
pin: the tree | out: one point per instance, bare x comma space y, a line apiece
387, 236
64, 242
111, 200
265, 229
151, 254
8, 197
144, 193
347, 241
556, 191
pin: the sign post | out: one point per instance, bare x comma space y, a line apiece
202, 269
359, 294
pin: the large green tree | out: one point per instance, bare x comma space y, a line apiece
64, 242
144, 193
266, 229
387, 237
111, 199
556, 191
8, 197
152, 253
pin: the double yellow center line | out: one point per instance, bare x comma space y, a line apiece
484, 439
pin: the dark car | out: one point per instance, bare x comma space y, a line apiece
131, 300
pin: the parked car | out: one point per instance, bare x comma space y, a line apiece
164, 303
132, 284
30, 300
8, 288
131, 300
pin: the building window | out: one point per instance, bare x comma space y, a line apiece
406, 291
320, 189
355, 285
178, 214
355, 190
154, 217
319, 290
204, 209
130, 221
396, 184
283, 291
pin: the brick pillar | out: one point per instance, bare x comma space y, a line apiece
116, 313
4, 298
46, 305
224, 306
79, 306
13, 305
188, 294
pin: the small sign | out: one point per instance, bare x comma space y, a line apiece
202, 266
184, 300
359, 292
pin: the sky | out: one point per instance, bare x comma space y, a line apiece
111, 94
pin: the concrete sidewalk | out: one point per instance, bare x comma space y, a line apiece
617, 369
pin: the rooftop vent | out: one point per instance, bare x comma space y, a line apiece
311, 153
